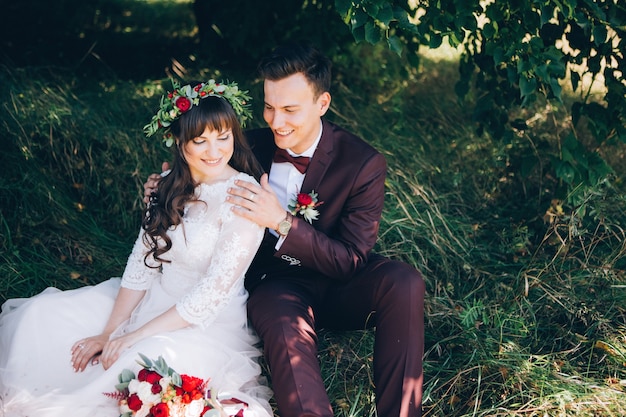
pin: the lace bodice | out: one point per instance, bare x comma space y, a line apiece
211, 251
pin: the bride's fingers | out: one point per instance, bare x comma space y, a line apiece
109, 355
82, 353
82, 360
77, 353
95, 360
109, 359
78, 346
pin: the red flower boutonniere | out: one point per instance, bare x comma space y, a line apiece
305, 205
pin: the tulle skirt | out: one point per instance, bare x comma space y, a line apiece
36, 334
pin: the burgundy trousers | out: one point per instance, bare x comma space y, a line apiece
387, 294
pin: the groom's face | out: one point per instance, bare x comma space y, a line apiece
293, 112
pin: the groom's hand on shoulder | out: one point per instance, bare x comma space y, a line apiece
258, 204
151, 185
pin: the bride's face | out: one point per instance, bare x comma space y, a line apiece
208, 155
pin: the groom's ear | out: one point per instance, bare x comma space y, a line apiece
323, 101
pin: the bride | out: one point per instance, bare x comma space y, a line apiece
181, 296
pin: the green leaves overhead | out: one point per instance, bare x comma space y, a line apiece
515, 53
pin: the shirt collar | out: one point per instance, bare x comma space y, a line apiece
311, 150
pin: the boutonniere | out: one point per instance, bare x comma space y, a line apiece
305, 205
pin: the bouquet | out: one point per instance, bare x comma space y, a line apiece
159, 391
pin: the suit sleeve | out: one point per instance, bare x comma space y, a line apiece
343, 248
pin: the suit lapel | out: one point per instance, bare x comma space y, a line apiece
321, 160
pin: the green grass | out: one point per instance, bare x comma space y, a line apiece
526, 291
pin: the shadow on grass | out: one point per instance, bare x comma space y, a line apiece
123, 38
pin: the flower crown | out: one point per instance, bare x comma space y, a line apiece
179, 101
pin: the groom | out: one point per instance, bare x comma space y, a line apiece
318, 270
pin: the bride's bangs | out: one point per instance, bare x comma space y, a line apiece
212, 112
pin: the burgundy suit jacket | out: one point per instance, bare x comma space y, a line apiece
349, 176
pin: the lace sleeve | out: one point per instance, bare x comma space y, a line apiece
137, 276
238, 241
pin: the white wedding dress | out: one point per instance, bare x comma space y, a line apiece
211, 251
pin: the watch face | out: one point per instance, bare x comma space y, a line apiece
283, 227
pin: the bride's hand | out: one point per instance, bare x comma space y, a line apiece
87, 351
115, 347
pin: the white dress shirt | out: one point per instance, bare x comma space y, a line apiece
286, 180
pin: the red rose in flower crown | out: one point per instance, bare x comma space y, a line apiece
305, 205
183, 104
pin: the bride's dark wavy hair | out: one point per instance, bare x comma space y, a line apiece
177, 188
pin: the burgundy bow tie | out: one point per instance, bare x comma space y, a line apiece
300, 162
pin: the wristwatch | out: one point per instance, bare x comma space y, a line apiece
284, 226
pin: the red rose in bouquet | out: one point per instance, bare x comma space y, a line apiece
160, 410
134, 403
191, 383
148, 376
